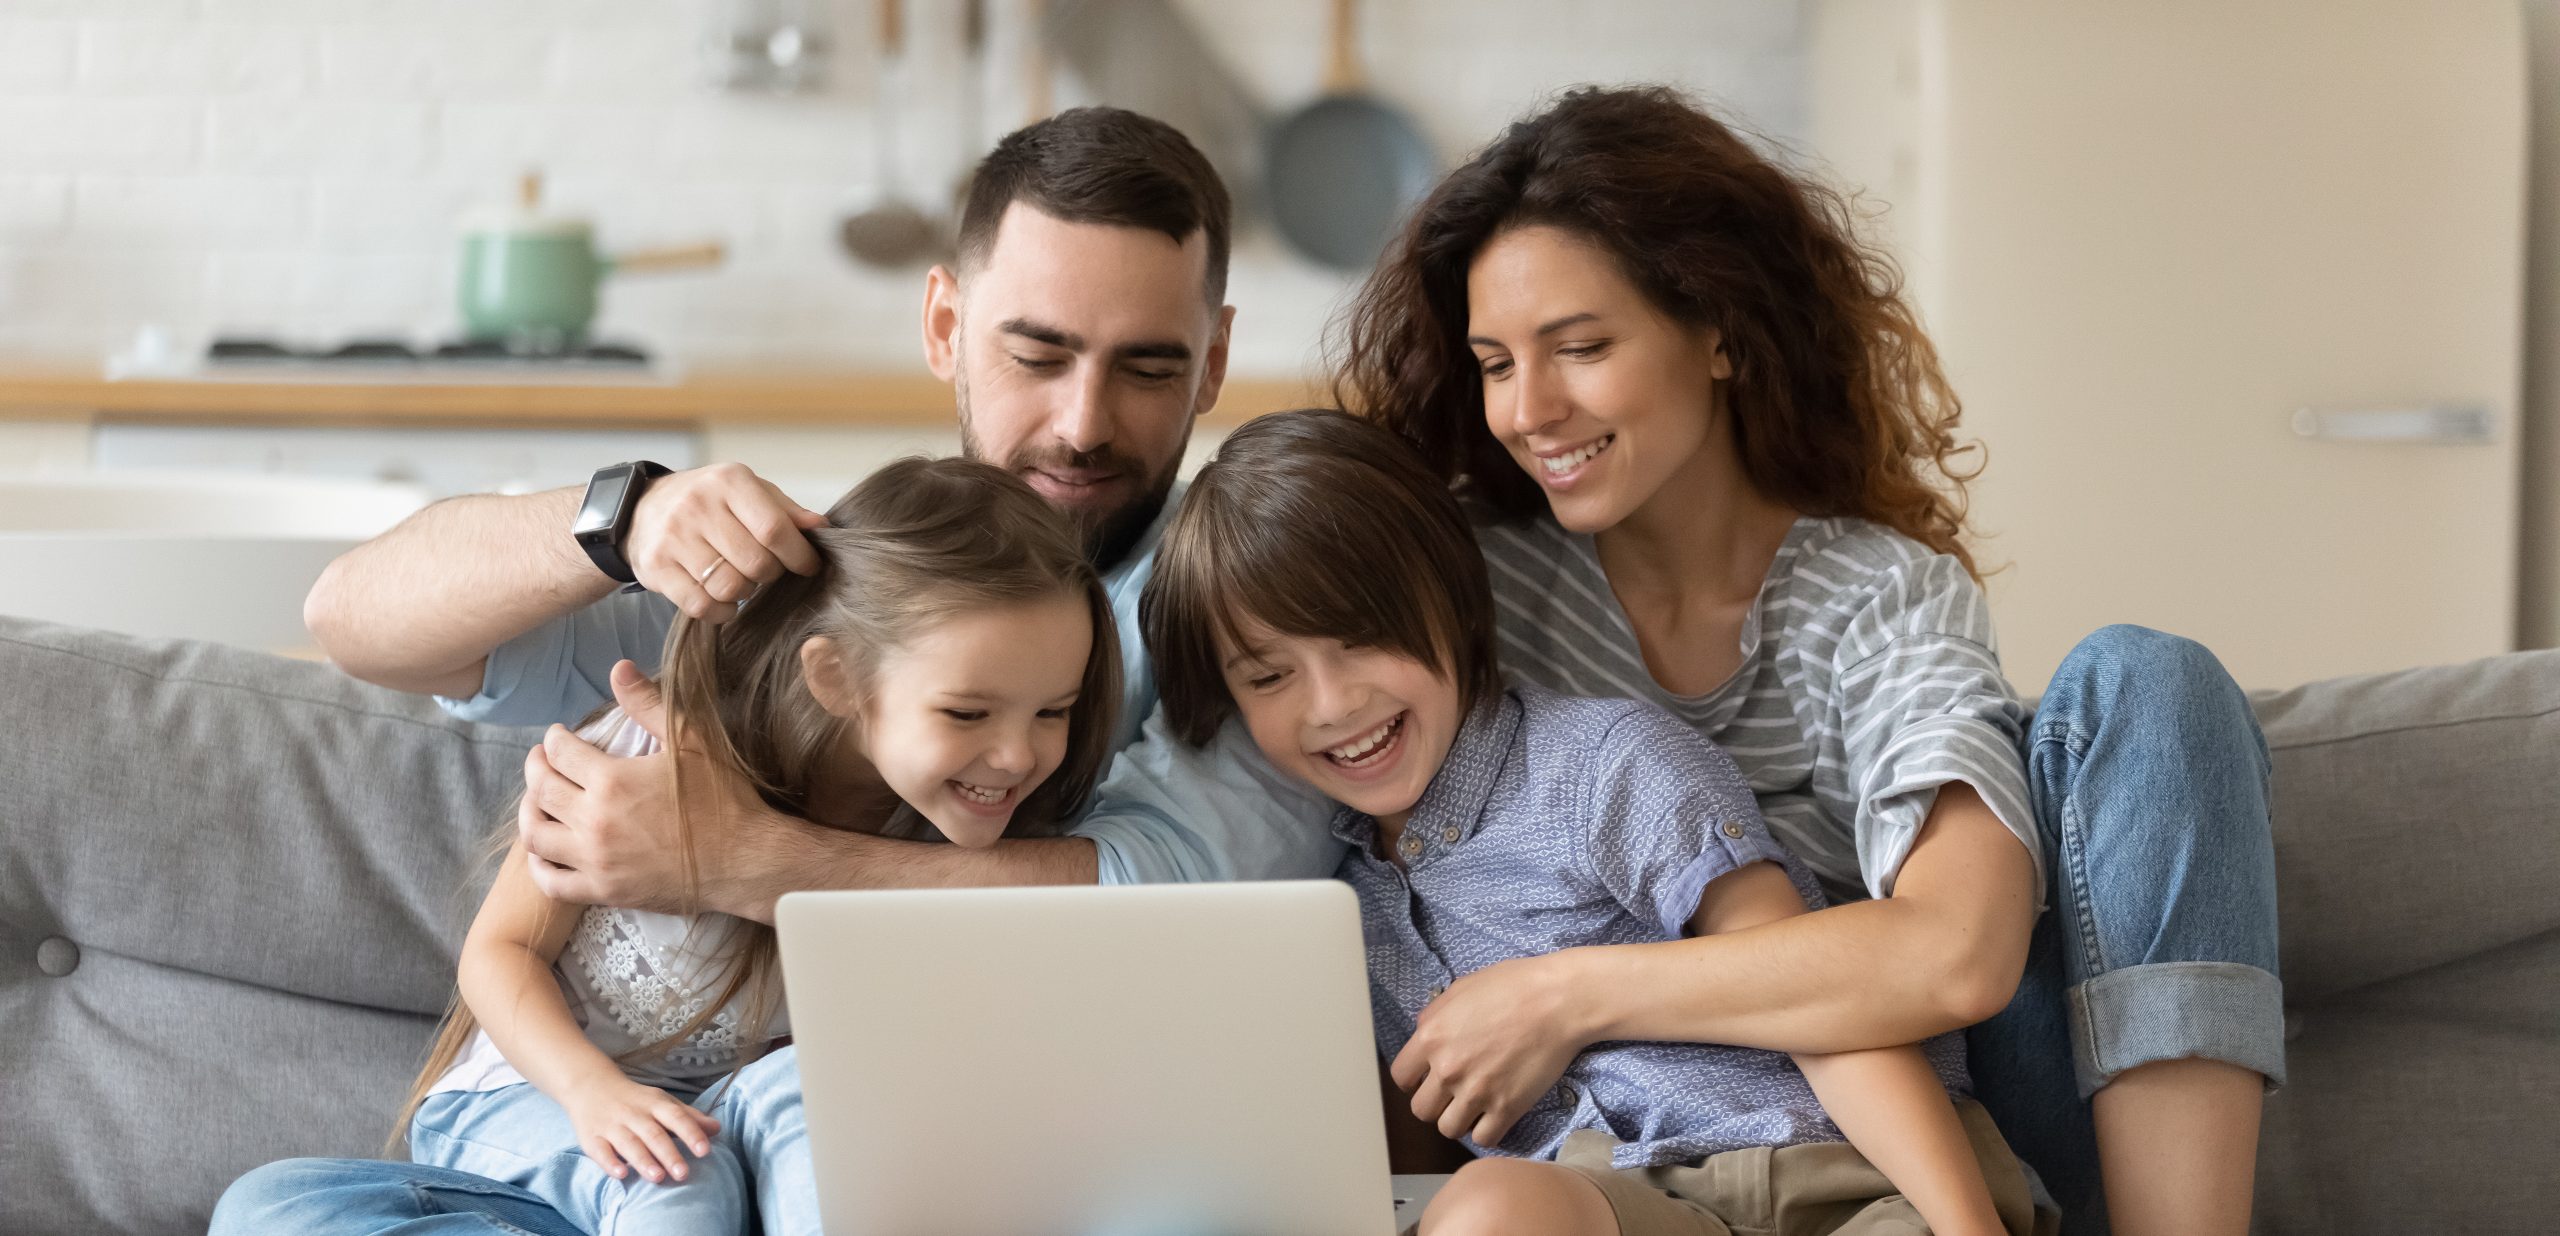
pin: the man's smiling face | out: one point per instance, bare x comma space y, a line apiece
1080, 354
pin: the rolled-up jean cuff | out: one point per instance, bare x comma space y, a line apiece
2214, 1010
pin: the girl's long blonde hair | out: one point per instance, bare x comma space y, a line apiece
916, 542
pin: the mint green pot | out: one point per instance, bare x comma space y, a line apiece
534, 287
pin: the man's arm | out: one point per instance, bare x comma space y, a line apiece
603, 827
421, 607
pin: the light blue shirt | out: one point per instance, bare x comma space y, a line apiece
1163, 811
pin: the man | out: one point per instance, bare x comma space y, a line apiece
1083, 330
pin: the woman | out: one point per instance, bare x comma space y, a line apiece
1715, 455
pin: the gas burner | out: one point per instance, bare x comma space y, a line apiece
460, 353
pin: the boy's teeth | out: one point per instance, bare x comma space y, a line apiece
1562, 464
1360, 747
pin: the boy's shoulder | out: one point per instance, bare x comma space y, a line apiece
1599, 730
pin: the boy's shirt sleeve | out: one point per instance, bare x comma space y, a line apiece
560, 671
1669, 814
1166, 811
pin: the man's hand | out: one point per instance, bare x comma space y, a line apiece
1485, 1051
705, 538
601, 830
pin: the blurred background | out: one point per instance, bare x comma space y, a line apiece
2255, 304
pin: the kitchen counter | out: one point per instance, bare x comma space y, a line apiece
714, 398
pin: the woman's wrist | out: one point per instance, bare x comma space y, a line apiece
1583, 1000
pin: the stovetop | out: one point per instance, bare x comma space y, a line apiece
393, 360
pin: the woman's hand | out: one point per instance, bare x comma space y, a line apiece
1485, 1051
624, 1125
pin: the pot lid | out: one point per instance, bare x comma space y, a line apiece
525, 217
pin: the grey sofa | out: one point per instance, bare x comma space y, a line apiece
230, 891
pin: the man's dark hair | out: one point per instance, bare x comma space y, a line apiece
1101, 165
1316, 524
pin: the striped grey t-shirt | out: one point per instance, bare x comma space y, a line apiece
1869, 678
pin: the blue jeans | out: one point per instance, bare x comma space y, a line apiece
2149, 779
507, 1161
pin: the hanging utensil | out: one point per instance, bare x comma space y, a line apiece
1342, 171
891, 233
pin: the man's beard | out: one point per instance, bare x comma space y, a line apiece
1108, 535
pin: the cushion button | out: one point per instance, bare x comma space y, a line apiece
57, 956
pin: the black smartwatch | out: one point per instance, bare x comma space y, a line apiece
604, 518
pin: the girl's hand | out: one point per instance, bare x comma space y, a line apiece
624, 1125
1487, 1049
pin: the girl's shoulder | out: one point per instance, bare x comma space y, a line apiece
613, 732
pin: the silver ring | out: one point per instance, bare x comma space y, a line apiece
709, 571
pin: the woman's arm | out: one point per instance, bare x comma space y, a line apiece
1887, 1100
506, 981
1944, 951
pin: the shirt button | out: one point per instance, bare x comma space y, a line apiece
1437, 988
1733, 830
1411, 846
1450, 834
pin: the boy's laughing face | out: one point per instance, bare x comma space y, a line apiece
1366, 727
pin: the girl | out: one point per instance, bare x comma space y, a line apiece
1321, 583
1717, 461
952, 669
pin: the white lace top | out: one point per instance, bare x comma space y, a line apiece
633, 977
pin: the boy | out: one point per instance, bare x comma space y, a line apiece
1322, 588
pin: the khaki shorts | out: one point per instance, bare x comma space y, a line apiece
1820, 1189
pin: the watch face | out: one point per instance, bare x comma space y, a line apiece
604, 499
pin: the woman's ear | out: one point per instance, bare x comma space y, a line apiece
1719, 365
829, 679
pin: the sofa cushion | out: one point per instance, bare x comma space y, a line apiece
230, 893
2417, 818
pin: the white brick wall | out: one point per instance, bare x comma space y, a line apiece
297, 166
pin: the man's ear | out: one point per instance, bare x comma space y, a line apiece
1213, 368
829, 679
942, 322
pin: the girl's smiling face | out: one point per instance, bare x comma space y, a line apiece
1595, 393
1366, 727
966, 719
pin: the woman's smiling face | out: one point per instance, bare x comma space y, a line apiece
1595, 393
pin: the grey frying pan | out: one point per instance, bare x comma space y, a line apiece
1341, 172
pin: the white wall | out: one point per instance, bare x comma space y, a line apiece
296, 166
2538, 619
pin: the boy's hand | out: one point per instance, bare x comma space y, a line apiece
1489, 1047
624, 1125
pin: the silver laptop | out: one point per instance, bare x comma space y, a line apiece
1089, 1061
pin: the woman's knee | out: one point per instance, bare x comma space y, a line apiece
1516, 1197
2126, 657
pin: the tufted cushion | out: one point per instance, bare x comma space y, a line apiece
230, 887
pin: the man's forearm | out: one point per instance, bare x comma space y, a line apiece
420, 607
797, 856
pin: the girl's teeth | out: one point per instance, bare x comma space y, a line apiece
979, 794
1562, 464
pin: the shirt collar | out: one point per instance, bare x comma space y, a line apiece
1458, 792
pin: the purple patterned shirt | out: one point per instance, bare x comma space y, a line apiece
1557, 822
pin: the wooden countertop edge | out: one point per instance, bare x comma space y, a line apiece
803, 401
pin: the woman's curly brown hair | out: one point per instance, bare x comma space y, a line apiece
1839, 406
